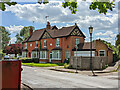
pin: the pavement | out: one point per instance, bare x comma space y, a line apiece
42, 77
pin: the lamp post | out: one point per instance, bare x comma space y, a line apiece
91, 64
76, 59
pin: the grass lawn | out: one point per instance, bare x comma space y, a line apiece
42, 64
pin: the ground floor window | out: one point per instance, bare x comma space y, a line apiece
56, 54
83, 53
67, 54
34, 54
24, 54
101, 52
43, 54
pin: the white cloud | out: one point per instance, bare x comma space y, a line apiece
107, 33
12, 41
108, 36
57, 14
14, 29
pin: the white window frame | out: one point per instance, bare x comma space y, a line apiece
100, 51
67, 52
24, 52
45, 41
59, 52
77, 40
57, 41
36, 54
30, 45
35, 44
46, 55
25, 46
84, 53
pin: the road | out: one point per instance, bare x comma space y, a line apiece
40, 77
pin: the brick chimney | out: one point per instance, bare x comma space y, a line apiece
48, 25
30, 31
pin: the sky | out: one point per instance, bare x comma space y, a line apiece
14, 18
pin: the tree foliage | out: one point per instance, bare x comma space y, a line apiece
3, 2
118, 44
102, 5
5, 36
24, 33
19, 39
118, 40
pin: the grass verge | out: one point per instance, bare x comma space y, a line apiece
41, 64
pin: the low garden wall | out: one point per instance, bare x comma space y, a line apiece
83, 63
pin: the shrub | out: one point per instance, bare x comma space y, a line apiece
36, 60
60, 64
28, 60
66, 65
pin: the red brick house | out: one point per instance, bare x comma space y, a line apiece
51, 44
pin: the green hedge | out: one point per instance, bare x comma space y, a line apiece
30, 60
36, 60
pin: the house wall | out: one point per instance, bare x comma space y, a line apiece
66, 43
101, 46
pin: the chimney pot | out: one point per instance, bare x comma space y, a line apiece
48, 25
76, 24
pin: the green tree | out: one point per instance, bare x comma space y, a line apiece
102, 5
19, 39
118, 44
5, 36
3, 2
24, 33
118, 40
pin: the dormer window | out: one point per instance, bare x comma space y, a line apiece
57, 42
25, 45
45, 43
36, 44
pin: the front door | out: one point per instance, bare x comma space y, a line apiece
29, 54
50, 56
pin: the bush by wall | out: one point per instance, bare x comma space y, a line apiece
26, 60
36, 60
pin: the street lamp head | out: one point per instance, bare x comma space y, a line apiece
90, 29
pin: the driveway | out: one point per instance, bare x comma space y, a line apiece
41, 77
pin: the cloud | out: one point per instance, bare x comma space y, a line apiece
108, 36
12, 41
57, 14
107, 33
14, 29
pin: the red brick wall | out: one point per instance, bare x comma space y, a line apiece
64, 43
101, 46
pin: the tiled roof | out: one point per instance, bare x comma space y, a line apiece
36, 35
64, 31
86, 45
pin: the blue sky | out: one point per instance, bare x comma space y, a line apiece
24, 13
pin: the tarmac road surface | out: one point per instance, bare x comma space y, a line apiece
41, 77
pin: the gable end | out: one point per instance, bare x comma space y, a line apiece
77, 32
46, 35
